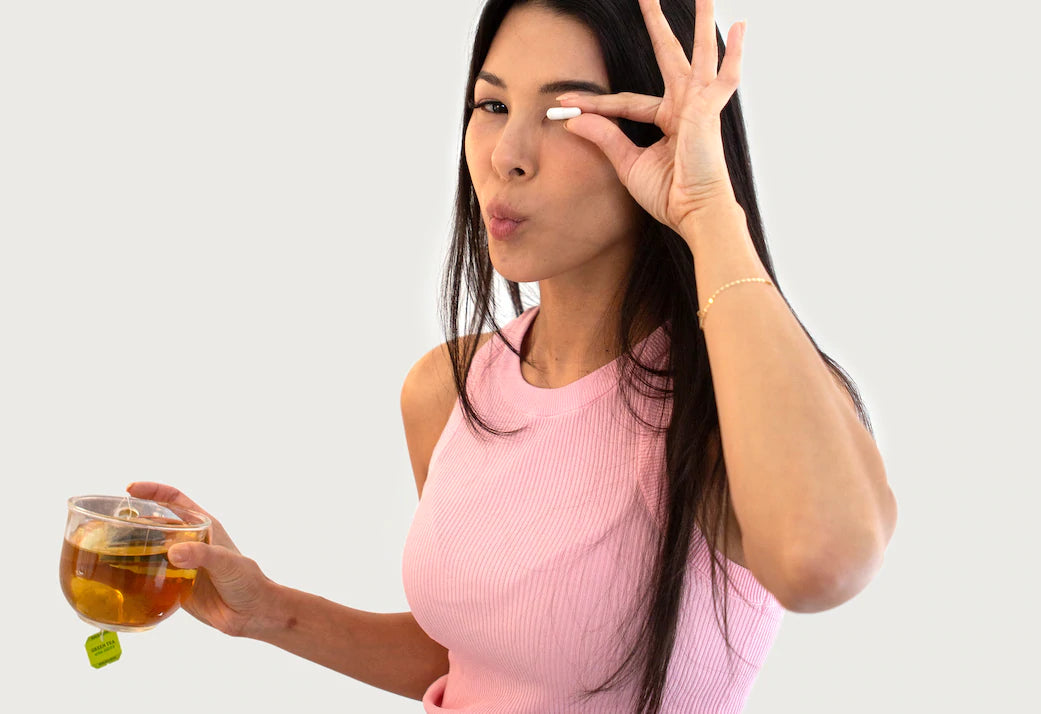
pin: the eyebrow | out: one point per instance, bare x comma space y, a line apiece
558, 87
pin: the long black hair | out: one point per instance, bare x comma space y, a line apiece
660, 287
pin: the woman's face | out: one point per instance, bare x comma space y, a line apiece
579, 216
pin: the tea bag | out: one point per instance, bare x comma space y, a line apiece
126, 510
141, 536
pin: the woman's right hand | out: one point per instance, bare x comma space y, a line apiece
230, 592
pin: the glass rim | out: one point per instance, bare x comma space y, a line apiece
205, 523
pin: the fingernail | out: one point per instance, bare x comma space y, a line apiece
568, 95
130, 485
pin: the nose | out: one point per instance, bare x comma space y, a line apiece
516, 150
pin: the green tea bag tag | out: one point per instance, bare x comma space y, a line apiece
103, 648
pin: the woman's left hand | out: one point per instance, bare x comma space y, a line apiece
685, 170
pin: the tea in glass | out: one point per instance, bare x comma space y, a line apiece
114, 569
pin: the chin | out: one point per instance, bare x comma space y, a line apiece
514, 270
518, 276
518, 273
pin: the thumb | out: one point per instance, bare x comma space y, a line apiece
606, 134
217, 560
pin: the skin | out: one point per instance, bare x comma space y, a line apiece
582, 227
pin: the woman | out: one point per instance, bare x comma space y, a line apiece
559, 559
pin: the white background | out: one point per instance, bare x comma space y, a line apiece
221, 234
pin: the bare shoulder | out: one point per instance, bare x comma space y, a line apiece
427, 398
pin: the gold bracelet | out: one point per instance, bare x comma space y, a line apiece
703, 312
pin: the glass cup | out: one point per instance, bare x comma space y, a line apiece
114, 570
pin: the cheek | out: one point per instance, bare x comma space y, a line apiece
587, 171
468, 153
476, 143
585, 161
596, 196
475, 162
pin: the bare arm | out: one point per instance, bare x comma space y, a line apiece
385, 650
232, 594
807, 480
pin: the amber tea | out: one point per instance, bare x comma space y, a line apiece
114, 569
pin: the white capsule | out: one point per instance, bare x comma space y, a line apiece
563, 112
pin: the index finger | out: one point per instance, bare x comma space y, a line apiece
152, 491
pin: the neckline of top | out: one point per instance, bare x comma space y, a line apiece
546, 401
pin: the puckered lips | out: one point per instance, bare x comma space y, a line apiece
504, 219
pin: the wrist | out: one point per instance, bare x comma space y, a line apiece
711, 219
275, 612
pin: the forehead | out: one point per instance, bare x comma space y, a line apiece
534, 45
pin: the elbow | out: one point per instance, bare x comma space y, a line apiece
810, 592
438, 668
830, 574
827, 578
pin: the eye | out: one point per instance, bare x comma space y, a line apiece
481, 105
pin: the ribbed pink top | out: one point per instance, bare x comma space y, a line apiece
526, 553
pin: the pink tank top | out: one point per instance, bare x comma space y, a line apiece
527, 552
